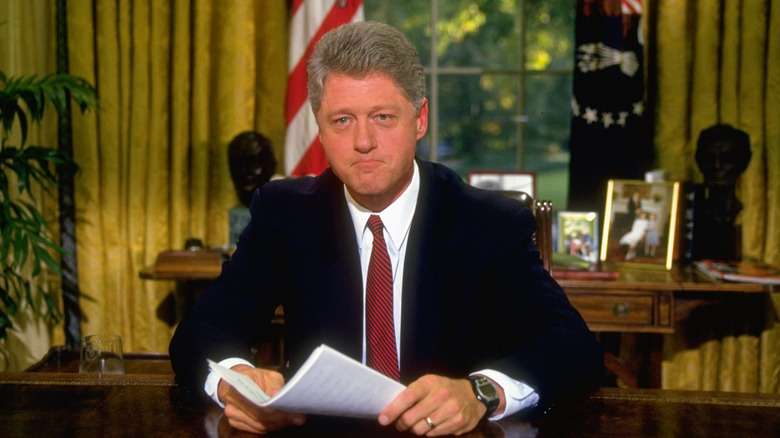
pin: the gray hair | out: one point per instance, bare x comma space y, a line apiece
359, 49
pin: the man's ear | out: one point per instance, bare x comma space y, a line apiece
422, 119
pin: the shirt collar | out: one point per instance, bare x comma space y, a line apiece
397, 217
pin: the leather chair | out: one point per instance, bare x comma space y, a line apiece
543, 212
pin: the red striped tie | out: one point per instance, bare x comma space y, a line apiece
381, 353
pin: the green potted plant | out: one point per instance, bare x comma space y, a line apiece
27, 246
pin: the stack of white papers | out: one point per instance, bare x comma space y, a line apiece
328, 383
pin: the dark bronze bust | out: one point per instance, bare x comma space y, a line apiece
722, 153
252, 163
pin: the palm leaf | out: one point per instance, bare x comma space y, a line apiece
36, 94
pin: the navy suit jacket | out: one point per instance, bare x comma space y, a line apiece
475, 294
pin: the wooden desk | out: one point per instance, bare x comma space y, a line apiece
185, 265
61, 359
71, 404
638, 301
644, 301
648, 301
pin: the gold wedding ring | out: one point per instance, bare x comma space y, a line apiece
431, 424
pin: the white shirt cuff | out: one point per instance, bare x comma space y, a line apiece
212, 380
518, 395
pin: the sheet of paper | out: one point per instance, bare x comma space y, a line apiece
246, 386
328, 383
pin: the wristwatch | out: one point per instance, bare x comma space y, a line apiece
486, 392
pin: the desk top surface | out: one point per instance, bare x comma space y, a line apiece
72, 404
206, 265
678, 279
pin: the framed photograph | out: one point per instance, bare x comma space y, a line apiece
578, 234
504, 180
640, 221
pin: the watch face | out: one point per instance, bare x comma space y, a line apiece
487, 388
486, 392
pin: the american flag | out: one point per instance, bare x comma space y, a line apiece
310, 20
610, 134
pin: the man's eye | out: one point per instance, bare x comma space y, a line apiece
383, 117
342, 120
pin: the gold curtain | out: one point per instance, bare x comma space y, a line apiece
717, 62
177, 79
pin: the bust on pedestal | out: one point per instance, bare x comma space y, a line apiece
252, 164
722, 153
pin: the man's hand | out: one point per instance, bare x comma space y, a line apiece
449, 404
245, 415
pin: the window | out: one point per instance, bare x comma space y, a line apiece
499, 83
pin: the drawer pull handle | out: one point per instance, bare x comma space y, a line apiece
621, 309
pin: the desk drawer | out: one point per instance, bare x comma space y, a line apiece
633, 311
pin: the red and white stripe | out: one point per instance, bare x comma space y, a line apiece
310, 20
631, 7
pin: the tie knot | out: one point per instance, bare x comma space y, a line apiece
375, 225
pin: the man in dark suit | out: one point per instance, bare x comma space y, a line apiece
481, 329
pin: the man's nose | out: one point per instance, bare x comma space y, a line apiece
364, 138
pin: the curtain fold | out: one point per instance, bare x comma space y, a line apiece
177, 80
716, 62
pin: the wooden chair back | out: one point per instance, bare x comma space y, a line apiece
543, 212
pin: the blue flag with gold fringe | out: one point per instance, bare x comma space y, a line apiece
610, 136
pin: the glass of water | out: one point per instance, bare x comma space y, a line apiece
102, 354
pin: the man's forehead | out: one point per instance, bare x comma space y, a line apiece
364, 77
335, 92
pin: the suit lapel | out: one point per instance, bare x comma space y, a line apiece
342, 263
422, 306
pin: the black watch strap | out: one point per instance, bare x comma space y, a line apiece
486, 392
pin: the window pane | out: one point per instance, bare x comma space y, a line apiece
477, 124
546, 134
412, 17
549, 34
478, 33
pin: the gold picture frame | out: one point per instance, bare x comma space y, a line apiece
578, 234
640, 223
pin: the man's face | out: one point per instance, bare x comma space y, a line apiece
250, 168
720, 163
369, 131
